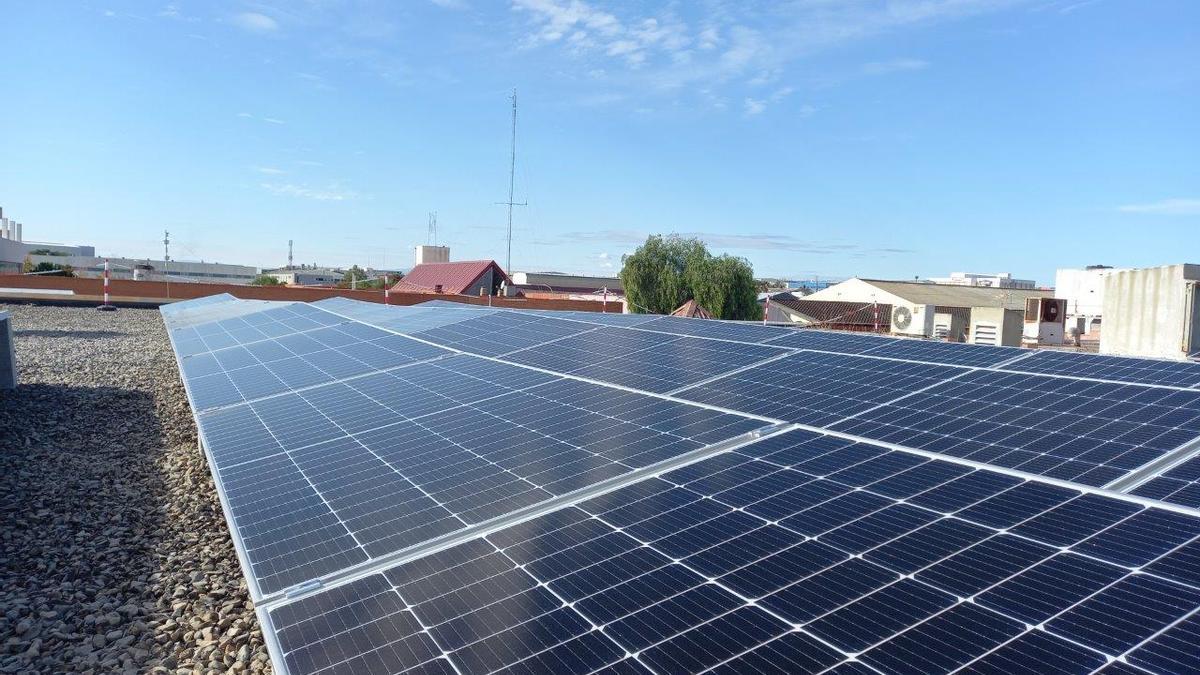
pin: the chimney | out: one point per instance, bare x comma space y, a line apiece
3, 228
17, 233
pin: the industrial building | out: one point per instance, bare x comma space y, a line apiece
307, 276
558, 282
15, 251
1001, 280
1083, 289
1152, 312
143, 269
976, 314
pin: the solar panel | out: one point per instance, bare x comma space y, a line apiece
1088, 432
604, 318
818, 388
831, 341
979, 356
500, 332
1178, 485
1115, 368
460, 513
331, 476
759, 561
410, 319
305, 358
712, 328
641, 359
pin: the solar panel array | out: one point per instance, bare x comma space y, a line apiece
448, 488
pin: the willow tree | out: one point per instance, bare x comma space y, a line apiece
666, 272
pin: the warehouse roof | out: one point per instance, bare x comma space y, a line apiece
924, 293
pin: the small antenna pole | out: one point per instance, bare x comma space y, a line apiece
167, 260
512, 173
289, 254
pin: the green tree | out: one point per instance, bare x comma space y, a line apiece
355, 272
725, 286
265, 280
666, 272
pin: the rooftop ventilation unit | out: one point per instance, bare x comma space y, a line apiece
913, 320
8, 353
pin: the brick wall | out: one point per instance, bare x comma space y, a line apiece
158, 292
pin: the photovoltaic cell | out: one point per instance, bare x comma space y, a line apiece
830, 341
712, 328
500, 333
817, 388
1178, 485
380, 463
1088, 432
641, 359
646, 571
800, 552
1115, 368
979, 356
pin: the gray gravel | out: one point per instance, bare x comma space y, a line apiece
114, 554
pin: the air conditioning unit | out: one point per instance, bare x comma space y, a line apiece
913, 320
1045, 321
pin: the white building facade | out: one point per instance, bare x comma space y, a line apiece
1000, 280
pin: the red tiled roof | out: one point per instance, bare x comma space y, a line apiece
692, 309
454, 277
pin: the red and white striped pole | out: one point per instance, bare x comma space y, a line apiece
106, 307
876, 305
604, 307
766, 309
387, 291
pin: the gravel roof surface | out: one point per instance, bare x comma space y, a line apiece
114, 554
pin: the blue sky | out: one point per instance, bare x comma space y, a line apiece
880, 138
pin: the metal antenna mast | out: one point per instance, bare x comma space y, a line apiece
512, 173
289, 254
431, 234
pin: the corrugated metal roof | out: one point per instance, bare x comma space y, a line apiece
920, 293
454, 277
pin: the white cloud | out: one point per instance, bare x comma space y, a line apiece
268, 120
269, 170
1166, 207
450, 4
255, 22
583, 27
333, 193
755, 106
893, 66
727, 42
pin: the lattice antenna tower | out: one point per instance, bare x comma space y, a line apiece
431, 234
